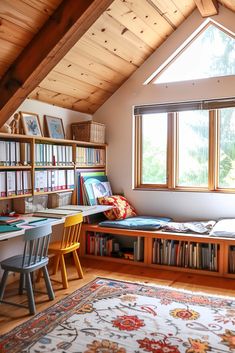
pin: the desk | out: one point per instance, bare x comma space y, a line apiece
20, 232
11, 242
86, 211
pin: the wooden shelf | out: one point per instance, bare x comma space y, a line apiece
15, 197
54, 166
115, 259
185, 269
51, 192
14, 137
16, 167
93, 166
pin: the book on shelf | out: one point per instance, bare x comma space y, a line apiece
19, 182
14, 153
138, 247
3, 191
94, 185
11, 183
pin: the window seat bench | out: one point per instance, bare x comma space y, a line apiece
188, 252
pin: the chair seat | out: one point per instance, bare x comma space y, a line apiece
56, 248
14, 264
34, 257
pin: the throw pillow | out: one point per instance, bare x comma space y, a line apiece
121, 207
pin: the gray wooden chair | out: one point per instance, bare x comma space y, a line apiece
34, 257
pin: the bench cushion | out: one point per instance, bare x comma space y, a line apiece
139, 222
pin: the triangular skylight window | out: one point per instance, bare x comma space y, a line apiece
210, 54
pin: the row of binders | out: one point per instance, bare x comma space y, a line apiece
185, 254
53, 155
15, 183
53, 180
14, 153
87, 156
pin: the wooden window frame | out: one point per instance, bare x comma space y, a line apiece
172, 156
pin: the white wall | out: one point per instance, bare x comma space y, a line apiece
116, 113
40, 108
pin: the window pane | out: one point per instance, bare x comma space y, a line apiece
154, 148
193, 150
217, 58
227, 148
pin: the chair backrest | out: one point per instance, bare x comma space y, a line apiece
72, 229
36, 245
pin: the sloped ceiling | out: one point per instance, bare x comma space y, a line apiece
119, 41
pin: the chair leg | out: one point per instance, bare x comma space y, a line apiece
3, 283
48, 283
56, 264
63, 272
77, 264
22, 283
29, 288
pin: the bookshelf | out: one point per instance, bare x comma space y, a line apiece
33, 165
189, 253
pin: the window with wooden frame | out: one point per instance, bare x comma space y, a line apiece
185, 146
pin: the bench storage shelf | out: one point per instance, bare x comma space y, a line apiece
194, 253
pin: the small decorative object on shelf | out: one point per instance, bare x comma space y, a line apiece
89, 131
55, 127
15, 124
31, 124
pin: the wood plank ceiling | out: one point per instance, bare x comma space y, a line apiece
122, 38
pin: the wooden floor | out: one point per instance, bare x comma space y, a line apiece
12, 316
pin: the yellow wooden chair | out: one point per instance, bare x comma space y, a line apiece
68, 244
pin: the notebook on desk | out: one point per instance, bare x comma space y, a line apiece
86, 210
9, 220
55, 213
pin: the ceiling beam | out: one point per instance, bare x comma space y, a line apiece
62, 30
207, 7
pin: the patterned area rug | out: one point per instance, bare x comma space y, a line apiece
109, 316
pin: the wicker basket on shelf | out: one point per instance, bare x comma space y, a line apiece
89, 131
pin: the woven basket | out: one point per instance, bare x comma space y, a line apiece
88, 131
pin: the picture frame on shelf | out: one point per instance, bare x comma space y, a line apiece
31, 124
54, 127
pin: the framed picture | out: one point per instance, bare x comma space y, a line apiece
31, 124
55, 127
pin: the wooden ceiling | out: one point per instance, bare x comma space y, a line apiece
124, 35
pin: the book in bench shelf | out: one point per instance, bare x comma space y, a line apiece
55, 213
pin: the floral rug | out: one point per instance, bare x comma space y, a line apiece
109, 316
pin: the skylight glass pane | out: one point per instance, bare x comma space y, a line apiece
211, 54
154, 148
193, 148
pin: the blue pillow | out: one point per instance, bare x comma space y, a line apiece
139, 222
